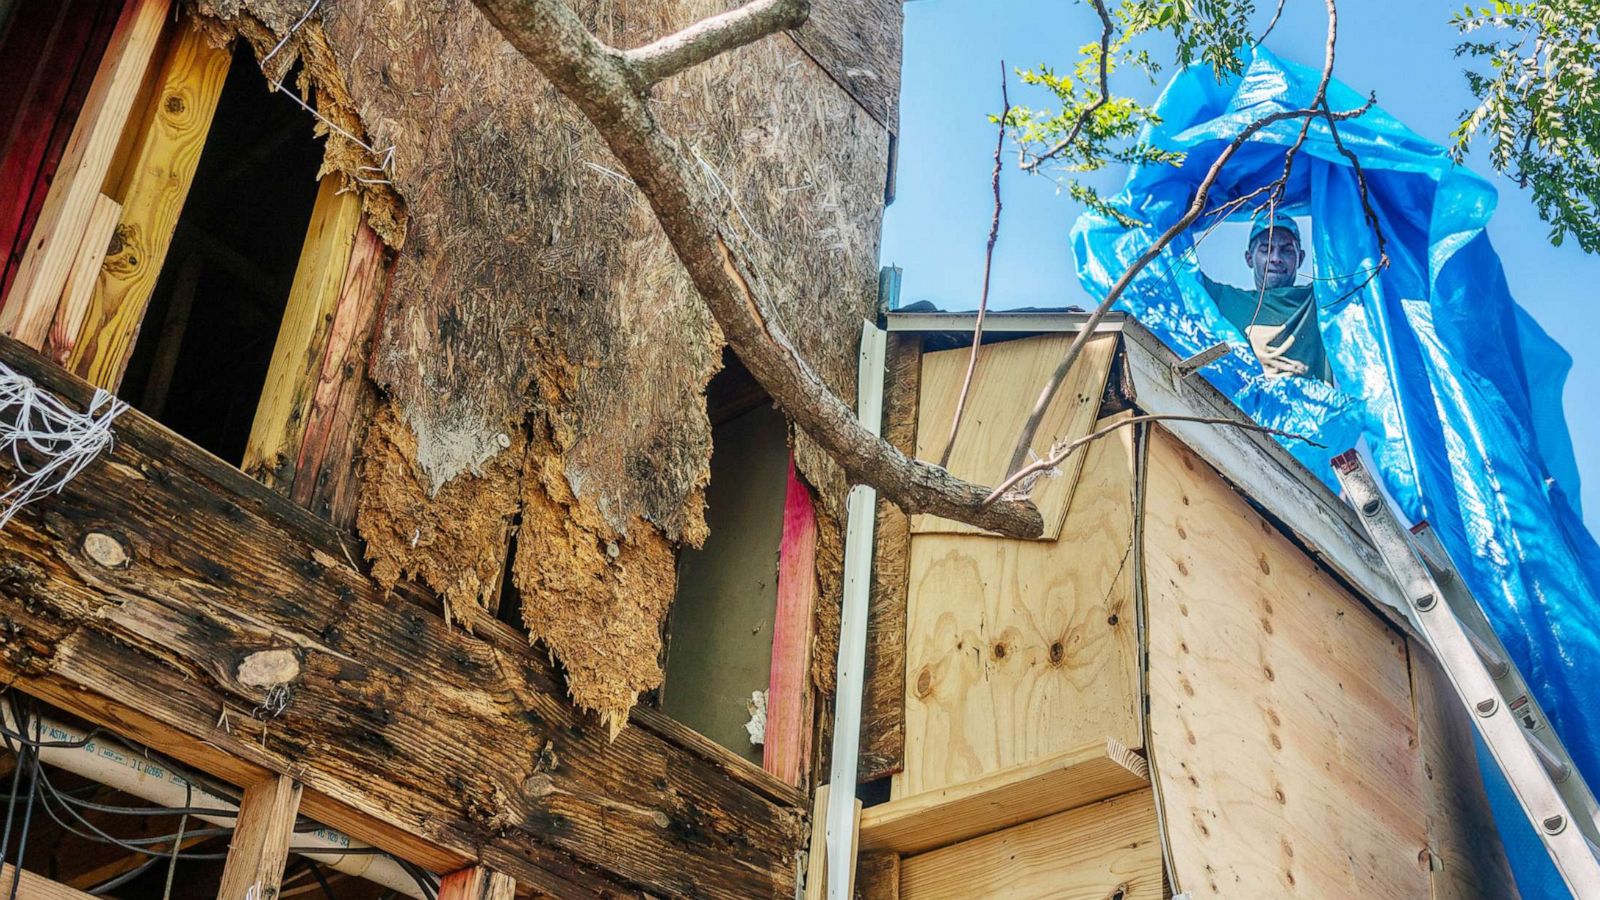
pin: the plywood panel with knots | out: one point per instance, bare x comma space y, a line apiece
1281, 730
1016, 650
1004, 386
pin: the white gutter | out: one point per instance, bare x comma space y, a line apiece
862, 507
115, 765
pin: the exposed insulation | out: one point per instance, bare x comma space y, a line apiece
592, 594
534, 291
455, 540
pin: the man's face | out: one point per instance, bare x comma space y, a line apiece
1274, 257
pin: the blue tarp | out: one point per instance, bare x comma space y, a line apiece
1455, 388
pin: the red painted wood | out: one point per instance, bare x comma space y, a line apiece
48, 57
789, 701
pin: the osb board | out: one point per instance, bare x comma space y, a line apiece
1281, 729
534, 282
858, 43
883, 703
1469, 860
1016, 650
1106, 850
1005, 384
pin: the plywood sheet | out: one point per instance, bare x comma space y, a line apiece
1004, 387
1281, 730
1468, 859
1097, 852
1016, 650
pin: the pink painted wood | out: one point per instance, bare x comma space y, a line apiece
789, 700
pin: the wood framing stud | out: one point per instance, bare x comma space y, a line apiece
34, 886
293, 374
69, 205
260, 846
477, 883
81, 278
158, 178
787, 746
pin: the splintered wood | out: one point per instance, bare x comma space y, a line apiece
1019, 649
1280, 707
1008, 377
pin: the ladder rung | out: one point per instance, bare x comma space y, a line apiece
1498, 666
1559, 771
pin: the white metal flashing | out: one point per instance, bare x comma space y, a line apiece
860, 517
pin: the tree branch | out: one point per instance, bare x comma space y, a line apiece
1106, 30
1059, 455
598, 80
1319, 108
988, 264
716, 35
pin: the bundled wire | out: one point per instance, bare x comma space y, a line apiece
34, 419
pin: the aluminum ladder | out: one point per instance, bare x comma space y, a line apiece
1553, 794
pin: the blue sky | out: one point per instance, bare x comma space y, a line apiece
936, 228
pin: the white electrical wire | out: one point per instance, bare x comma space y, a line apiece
41, 422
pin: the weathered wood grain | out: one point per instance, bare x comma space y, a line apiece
294, 372
883, 699
258, 850
438, 745
476, 883
343, 400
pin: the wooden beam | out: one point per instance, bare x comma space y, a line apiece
476, 883
161, 170
440, 746
293, 375
259, 850
1099, 852
1001, 799
81, 278
343, 400
787, 747
878, 876
34, 886
70, 203
883, 700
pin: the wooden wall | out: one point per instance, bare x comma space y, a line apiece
1017, 649
1281, 726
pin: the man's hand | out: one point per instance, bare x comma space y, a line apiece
1273, 361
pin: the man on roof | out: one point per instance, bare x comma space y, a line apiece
1278, 316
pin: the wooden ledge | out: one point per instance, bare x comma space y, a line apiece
1022, 793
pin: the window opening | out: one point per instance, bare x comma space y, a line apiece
719, 647
201, 359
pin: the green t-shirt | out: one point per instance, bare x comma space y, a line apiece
1293, 307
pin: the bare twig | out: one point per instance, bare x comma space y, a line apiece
1318, 108
1031, 426
988, 263
1106, 30
1270, 25
1361, 186
1058, 455
605, 88
718, 34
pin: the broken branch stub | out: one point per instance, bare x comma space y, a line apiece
603, 84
